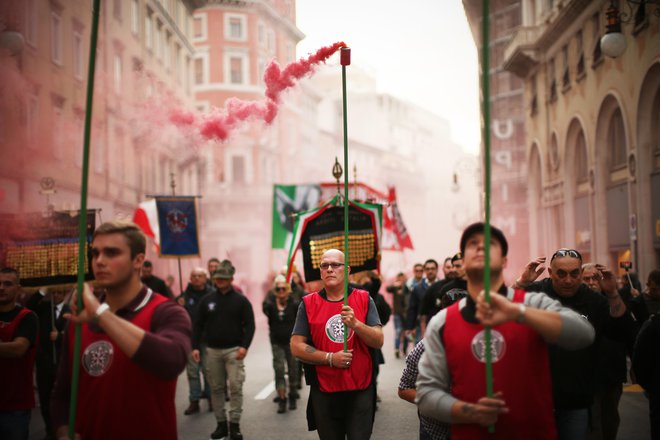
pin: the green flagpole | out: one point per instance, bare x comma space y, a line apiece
485, 96
82, 237
345, 61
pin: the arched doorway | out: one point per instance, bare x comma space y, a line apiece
647, 174
612, 202
577, 189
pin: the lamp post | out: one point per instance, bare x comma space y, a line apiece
613, 43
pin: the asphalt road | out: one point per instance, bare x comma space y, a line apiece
395, 418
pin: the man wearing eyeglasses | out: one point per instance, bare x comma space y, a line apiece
574, 372
413, 321
342, 397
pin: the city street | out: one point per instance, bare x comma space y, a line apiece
395, 418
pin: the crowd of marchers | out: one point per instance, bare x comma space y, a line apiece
558, 349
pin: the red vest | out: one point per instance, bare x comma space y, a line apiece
118, 399
16, 391
328, 335
520, 370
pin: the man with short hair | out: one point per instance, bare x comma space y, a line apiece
611, 372
18, 342
451, 384
135, 343
48, 304
153, 282
195, 291
342, 398
574, 372
225, 323
652, 293
454, 279
413, 322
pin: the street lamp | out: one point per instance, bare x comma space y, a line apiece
613, 43
12, 41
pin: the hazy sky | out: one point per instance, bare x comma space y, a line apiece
419, 50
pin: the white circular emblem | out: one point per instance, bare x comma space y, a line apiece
97, 358
177, 221
497, 346
334, 329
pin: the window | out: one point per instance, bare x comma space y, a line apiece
117, 74
31, 22
77, 137
167, 50
199, 28
148, 29
177, 63
597, 56
135, 17
199, 71
566, 78
616, 139
581, 163
580, 55
77, 56
32, 120
158, 40
56, 38
236, 70
552, 93
533, 104
235, 27
116, 10
238, 169
57, 133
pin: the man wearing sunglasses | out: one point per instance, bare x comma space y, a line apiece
574, 372
342, 396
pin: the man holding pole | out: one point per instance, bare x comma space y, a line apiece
451, 385
135, 343
342, 397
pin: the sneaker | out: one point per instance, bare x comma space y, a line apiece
221, 431
281, 406
192, 408
292, 403
235, 432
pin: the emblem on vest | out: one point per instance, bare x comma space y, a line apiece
497, 346
97, 358
334, 329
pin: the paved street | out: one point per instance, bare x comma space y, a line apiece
395, 419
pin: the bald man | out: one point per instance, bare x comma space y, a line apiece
342, 397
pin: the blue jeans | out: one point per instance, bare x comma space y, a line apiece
572, 424
15, 425
193, 369
398, 327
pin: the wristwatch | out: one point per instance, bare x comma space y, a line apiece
100, 310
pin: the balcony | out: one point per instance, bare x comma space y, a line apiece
521, 55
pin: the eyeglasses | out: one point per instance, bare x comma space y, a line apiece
280, 289
566, 253
326, 266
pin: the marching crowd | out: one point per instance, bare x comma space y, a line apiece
557, 349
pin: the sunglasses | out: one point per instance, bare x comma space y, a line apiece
326, 266
280, 289
566, 253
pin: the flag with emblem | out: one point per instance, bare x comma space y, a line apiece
289, 200
177, 223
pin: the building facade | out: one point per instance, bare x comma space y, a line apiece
592, 130
144, 52
509, 209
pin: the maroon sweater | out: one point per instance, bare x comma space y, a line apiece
163, 352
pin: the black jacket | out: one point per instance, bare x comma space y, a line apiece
280, 324
574, 373
646, 356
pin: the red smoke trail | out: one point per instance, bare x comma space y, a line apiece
219, 124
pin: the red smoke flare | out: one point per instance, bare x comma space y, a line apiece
220, 123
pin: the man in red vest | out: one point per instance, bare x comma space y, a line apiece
451, 383
135, 343
18, 341
342, 397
